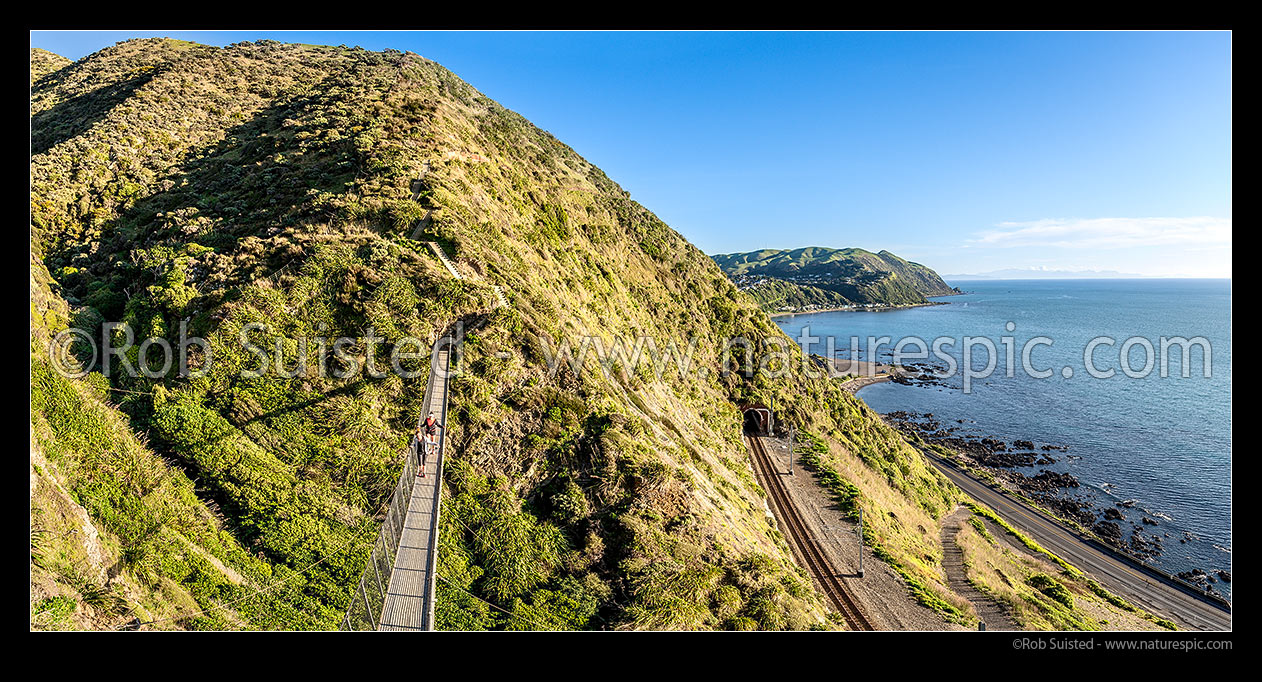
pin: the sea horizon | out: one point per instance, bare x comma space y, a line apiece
1119, 430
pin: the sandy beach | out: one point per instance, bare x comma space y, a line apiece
863, 373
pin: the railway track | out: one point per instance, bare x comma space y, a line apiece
803, 541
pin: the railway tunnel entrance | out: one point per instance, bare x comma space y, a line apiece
757, 418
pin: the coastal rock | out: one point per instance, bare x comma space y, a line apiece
1048, 489
1145, 547
1108, 531
1004, 459
1050, 480
1198, 577
1075, 510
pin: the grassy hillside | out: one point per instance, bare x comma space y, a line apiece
44, 62
213, 187
817, 277
781, 296
118, 534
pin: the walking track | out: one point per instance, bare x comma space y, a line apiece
1121, 577
988, 610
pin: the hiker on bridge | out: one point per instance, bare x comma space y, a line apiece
429, 429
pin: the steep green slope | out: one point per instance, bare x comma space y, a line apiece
817, 277
175, 183
118, 535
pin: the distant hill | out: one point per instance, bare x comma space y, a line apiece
816, 277
44, 62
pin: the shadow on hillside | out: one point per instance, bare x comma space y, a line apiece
255, 182
76, 115
346, 389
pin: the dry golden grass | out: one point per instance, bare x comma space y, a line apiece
997, 567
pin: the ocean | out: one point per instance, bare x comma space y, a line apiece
1160, 444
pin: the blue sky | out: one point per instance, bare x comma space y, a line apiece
969, 152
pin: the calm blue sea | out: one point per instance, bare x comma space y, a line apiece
1163, 442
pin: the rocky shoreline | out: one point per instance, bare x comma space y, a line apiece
1056, 491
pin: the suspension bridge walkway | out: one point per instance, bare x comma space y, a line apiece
396, 591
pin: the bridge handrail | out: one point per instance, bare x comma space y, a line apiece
438, 489
368, 600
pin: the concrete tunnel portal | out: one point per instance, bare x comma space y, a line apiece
757, 419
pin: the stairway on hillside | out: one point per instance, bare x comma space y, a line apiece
451, 267
500, 298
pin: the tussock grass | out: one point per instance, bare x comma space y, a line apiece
272, 183
1039, 593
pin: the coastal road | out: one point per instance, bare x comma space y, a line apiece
1133, 584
